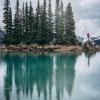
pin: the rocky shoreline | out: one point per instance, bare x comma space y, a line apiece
37, 48
90, 47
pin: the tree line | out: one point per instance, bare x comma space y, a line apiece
40, 26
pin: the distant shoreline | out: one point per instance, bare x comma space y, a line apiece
37, 48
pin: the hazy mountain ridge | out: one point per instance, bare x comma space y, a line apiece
2, 33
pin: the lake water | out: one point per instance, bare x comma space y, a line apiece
53, 76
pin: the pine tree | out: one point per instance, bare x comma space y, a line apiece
45, 34
70, 25
61, 24
6, 15
61, 34
29, 24
17, 24
10, 22
9, 38
50, 21
26, 19
57, 23
23, 19
31, 19
37, 31
17, 20
57, 16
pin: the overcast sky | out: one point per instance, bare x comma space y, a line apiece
87, 14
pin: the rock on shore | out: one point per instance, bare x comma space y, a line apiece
90, 47
37, 48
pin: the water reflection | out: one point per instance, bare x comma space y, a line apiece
30, 74
65, 74
89, 56
8, 78
28, 71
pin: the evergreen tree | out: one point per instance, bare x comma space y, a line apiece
58, 35
10, 21
57, 16
17, 20
8, 39
31, 19
26, 19
26, 35
37, 30
50, 21
6, 15
70, 25
44, 26
17, 24
61, 39
61, 24
31, 24
23, 19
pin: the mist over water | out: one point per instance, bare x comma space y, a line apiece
55, 76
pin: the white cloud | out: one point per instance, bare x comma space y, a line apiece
84, 26
87, 2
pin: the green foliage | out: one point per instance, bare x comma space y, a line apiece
7, 17
39, 27
61, 20
60, 39
50, 22
31, 19
8, 39
57, 16
7, 22
59, 23
17, 25
70, 25
44, 26
17, 20
23, 19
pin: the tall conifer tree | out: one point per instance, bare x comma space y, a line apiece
57, 16
57, 22
6, 15
26, 19
60, 37
61, 24
44, 26
37, 34
50, 21
31, 19
31, 25
17, 20
70, 25
23, 19
8, 39
17, 24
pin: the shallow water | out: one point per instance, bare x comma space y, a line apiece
27, 76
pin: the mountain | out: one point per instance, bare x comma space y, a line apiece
2, 33
80, 39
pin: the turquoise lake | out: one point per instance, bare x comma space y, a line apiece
52, 76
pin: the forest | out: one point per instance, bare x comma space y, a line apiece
39, 26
